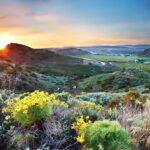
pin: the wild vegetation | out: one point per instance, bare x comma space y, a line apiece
115, 58
53, 106
144, 67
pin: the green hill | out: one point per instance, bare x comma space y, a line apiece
124, 79
19, 78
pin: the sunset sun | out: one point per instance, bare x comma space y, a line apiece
4, 40
3, 44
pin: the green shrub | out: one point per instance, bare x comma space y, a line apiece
101, 98
107, 135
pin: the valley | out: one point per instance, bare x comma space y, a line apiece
74, 74
80, 84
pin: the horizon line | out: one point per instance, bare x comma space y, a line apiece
77, 45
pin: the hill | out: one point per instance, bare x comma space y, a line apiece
49, 62
73, 51
115, 49
21, 54
19, 78
145, 53
115, 81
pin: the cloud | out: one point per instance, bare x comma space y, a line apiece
4, 17
54, 22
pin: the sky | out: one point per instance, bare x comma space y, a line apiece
52, 23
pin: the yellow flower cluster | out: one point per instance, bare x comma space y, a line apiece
91, 105
23, 107
80, 126
56, 101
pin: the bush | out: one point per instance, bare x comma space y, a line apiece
101, 98
132, 98
80, 126
29, 108
64, 96
101, 135
138, 125
107, 135
114, 102
5, 95
21, 141
135, 99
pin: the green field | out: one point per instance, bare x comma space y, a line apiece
69, 70
114, 58
121, 61
144, 67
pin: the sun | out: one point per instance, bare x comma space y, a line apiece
3, 44
4, 40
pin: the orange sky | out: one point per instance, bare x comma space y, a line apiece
52, 23
66, 36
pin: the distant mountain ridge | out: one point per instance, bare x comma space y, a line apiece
145, 53
21, 54
72, 51
115, 49
105, 49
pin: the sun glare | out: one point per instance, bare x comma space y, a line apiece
4, 40
2, 44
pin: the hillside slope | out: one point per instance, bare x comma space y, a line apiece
21, 54
19, 78
49, 62
73, 51
145, 53
115, 81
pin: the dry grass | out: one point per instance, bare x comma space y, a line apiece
137, 123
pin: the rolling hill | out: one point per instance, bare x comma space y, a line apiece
19, 78
49, 62
115, 49
72, 51
21, 54
145, 53
124, 79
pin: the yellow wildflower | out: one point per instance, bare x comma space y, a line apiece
7, 117
80, 127
29, 105
80, 139
91, 105
87, 117
25, 112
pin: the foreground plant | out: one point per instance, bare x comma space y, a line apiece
80, 126
107, 135
29, 108
101, 135
137, 123
59, 102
